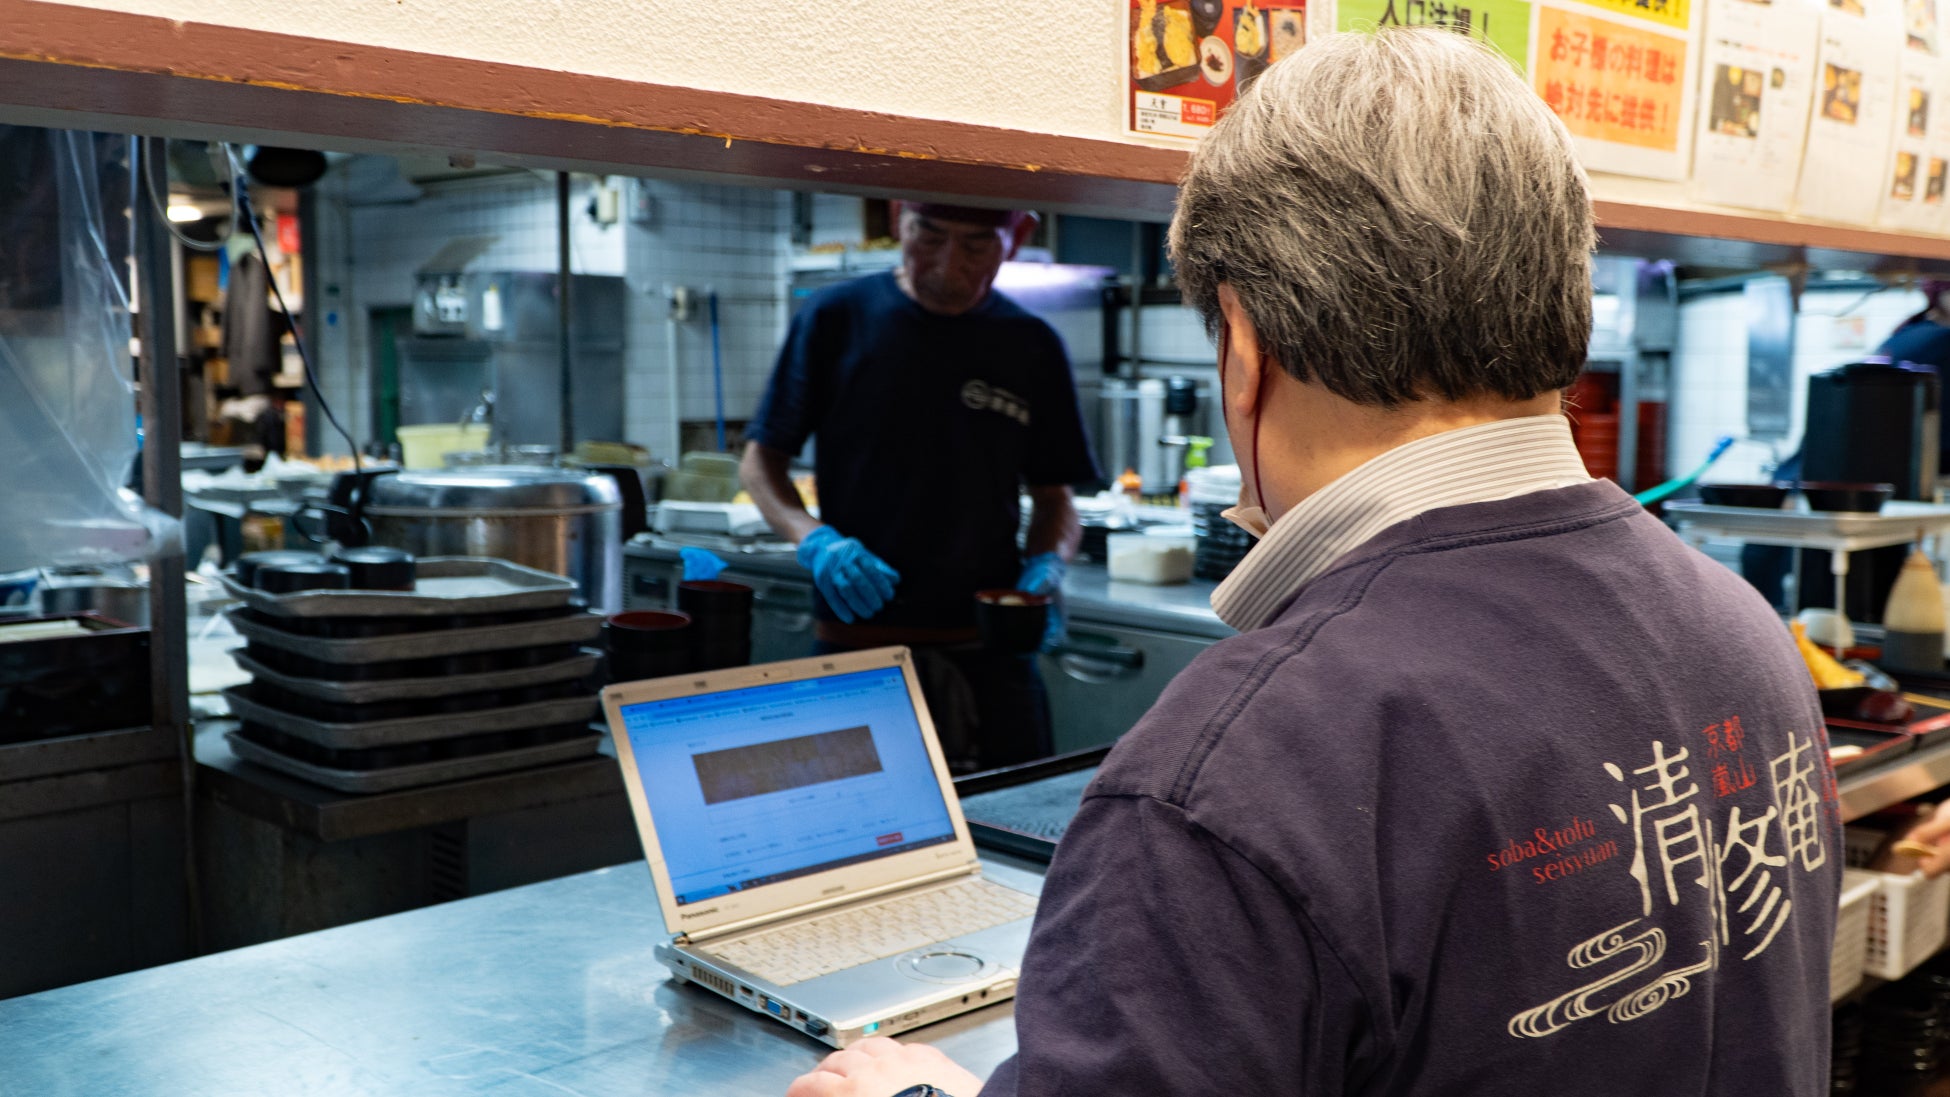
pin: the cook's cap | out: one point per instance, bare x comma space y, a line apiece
973, 215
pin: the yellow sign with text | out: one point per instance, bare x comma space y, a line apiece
1673, 13
1609, 81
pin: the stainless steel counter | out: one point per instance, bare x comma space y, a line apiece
1088, 592
1186, 608
547, 990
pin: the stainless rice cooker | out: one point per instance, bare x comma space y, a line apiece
558, 520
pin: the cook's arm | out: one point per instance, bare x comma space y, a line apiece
765, 474
855, 583
1053, 524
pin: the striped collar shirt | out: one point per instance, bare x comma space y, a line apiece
1476, 464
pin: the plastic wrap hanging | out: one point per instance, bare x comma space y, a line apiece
68, 435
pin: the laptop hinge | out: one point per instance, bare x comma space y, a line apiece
700, 936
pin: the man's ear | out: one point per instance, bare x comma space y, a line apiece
1243, 358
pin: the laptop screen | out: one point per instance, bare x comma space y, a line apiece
753, 786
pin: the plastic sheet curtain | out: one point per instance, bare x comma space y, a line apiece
68, 433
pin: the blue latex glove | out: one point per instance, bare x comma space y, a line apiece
855, 582
1043, 574
700, 563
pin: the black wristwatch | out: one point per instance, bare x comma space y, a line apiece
923, 1090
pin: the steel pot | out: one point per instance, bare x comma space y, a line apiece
124, 598
557, 520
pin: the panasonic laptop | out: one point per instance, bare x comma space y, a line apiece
808, 849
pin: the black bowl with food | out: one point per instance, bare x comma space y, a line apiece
1011, 621
1765, 496
1838, 495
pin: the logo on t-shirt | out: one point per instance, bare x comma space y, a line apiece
1712, 826
981, 396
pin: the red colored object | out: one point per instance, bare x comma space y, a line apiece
1649, 467
1590, 394
289, 240
1596, 436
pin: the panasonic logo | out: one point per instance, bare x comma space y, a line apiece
687, 915
834, 890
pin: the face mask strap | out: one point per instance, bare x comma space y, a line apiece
1225, 350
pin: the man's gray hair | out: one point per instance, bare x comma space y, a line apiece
1401, 217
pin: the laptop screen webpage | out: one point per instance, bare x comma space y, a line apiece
759, 785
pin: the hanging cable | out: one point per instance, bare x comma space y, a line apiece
162, 211
240, 196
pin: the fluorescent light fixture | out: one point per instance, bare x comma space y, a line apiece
180, 210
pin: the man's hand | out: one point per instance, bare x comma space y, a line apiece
880, 1067
1930, 836
1043, 574
854, 581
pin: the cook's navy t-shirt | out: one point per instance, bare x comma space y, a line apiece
928, 428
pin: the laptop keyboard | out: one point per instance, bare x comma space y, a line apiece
806, 950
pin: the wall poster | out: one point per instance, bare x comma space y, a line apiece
1504, 24
1756, 88
1848, 148
1187, 60
1624, 88
1913, 176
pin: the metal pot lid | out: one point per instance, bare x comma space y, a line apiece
493, 487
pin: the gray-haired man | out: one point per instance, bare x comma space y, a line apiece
1502, 789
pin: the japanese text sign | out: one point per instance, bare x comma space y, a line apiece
1504, 24
1612, 82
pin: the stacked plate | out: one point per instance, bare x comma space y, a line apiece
479, 669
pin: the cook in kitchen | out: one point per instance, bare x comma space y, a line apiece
933, 402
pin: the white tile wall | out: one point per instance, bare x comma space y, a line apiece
729, 240
1709, 370
1170, 332
375, 231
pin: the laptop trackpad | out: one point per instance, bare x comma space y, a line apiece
945, 964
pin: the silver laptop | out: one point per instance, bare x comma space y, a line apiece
807, 846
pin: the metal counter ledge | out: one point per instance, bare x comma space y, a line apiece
547, 990
1089, 594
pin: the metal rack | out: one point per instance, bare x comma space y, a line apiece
1839, 532
1872, 790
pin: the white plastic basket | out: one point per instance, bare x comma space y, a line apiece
1859, 845
1909, 917
1848, 958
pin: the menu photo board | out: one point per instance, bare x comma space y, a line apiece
1848, 149
1756, 88
1187, 60
1914, 175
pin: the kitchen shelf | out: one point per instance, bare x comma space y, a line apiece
1840, 532
1872, 790
1898, 523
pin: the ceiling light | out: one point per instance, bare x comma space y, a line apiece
180, 210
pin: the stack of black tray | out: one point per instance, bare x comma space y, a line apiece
480, 669
1025, 809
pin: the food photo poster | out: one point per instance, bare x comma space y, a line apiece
1919, 144
1757, 70
1848, 148
1187, 60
